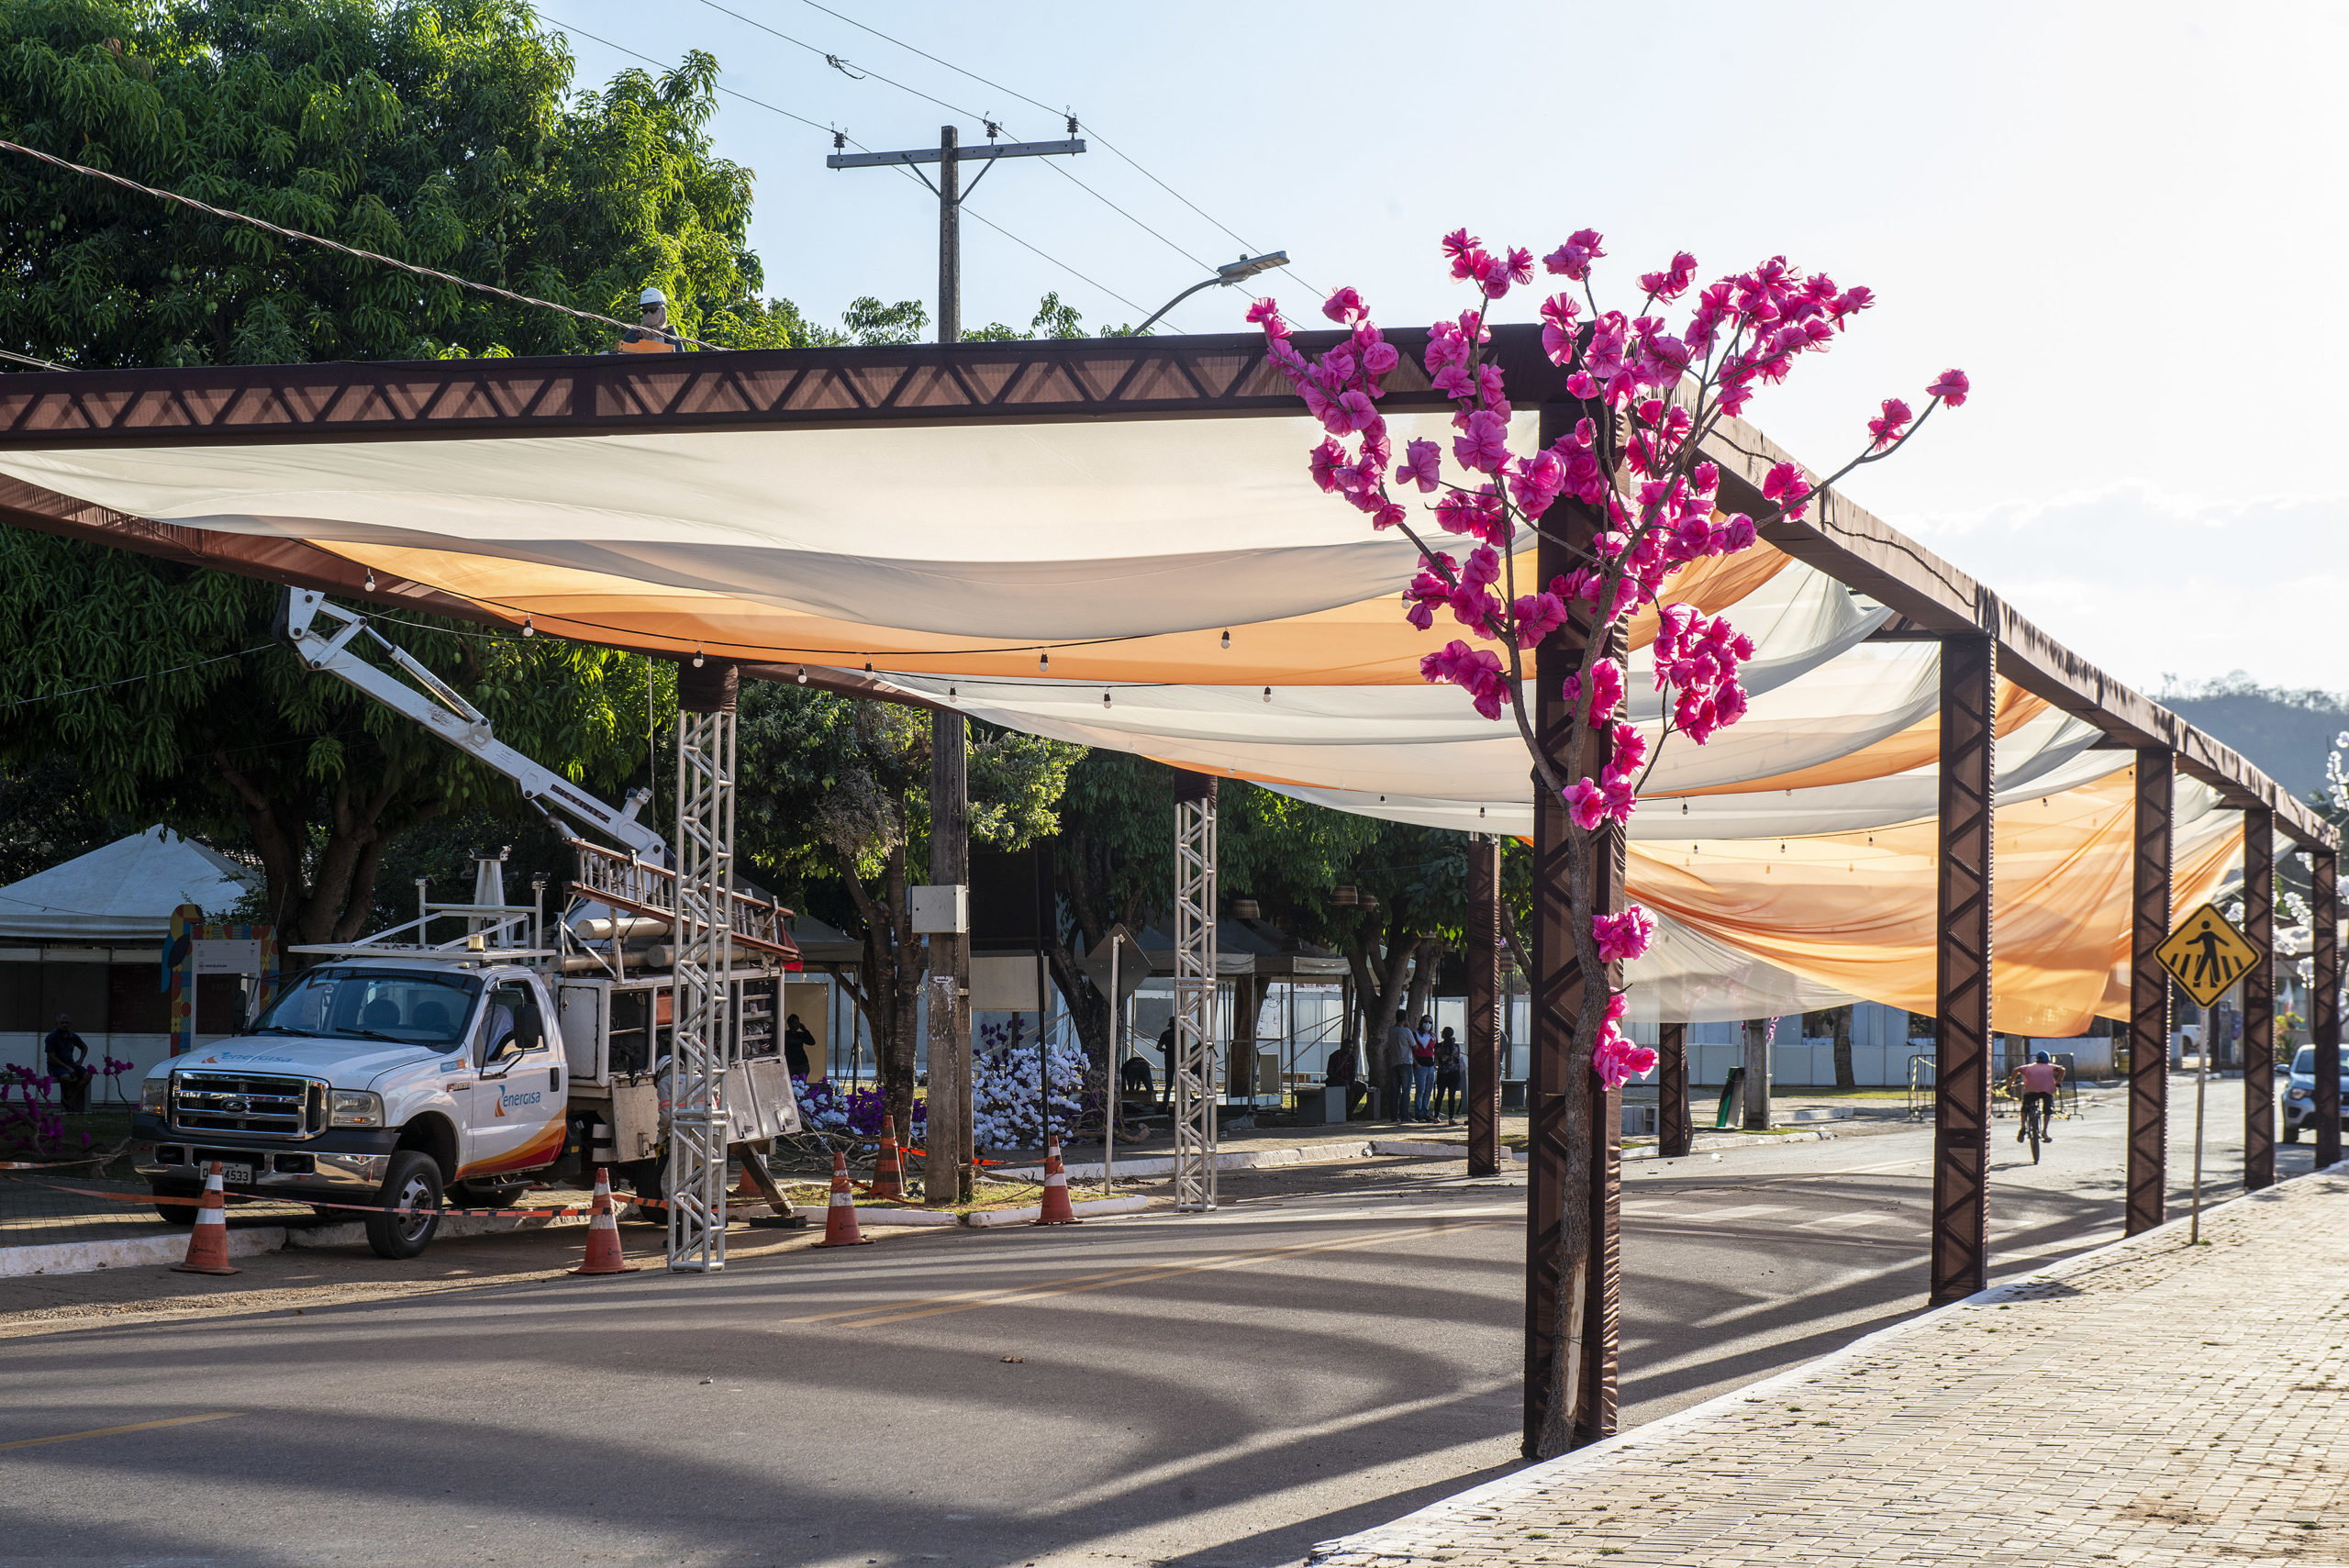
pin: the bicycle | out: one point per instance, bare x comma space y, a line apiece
2034, 1118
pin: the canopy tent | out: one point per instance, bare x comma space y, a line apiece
1048, 537
123, 893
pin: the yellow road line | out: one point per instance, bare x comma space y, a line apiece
114, 1431
1084, 1284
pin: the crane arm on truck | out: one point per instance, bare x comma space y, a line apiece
441, 710
640, 882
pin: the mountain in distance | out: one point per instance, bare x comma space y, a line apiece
2287, 734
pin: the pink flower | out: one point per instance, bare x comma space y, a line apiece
1617, 1061
1887, 429
1537, 615
1483, 444
1574, 258
1785, 483
1535, 482
1624, 936
1585, 803
1344, 308
1951, 388
1673, 284
1474, 670
1631, 749
1379, 358
1461, 248
1268, 313
1422, 465
1326, 460
1606, 683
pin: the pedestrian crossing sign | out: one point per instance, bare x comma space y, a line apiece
2206, 954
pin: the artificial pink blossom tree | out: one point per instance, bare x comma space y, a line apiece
1633, 466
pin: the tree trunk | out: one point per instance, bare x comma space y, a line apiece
1840, 1019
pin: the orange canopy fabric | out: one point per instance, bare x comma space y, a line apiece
1857, 912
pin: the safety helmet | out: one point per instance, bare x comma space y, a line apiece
2041, 1059
653, 296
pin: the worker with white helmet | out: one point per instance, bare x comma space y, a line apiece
654, 335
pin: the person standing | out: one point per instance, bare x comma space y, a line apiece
796, 1037
653, 335
1423, 1070
66, 1054
1402, 1058
1449, 1065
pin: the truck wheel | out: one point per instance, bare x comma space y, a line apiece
176, 1213
414, 1179
650, 1186
2291, 1133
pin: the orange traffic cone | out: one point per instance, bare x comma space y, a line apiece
889, 1179
1056, 1206
208, 1244
604, 1234
839, 1219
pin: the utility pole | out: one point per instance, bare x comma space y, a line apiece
949, 155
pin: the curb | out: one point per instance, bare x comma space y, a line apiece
353, 1233
903, 1216
129, 1253
989, 1218
1544, 1472
1236, 1160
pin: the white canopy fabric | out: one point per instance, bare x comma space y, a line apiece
123, 893
1239, 622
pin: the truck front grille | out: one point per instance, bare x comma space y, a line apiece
257, 1105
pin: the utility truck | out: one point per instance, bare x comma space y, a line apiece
481, 1046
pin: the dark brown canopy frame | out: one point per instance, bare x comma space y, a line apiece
1169, 379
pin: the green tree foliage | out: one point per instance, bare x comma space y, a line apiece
441, 132
833, 805
165, 688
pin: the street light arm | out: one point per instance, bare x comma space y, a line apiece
1238, 272
1162, 310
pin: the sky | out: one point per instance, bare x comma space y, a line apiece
2124, 221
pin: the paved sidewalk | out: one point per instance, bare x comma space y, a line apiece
2148, 1403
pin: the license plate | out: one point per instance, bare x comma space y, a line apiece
237, 1175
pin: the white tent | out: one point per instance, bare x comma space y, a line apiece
124, 893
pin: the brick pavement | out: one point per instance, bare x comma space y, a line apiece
2145, 1404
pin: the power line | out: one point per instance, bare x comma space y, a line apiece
336, 245
834, 131
132, 680
1093, 130
857, 71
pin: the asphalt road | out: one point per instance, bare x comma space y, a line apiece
1217, 1389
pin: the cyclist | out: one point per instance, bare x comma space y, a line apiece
2036, 1080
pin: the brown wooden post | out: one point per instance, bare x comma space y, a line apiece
2324, 1001
2149, 997
1962, 969
1673, 1125
1575, 1125
2259, 1000
1484, 1044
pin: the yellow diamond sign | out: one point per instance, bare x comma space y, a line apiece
2206, 954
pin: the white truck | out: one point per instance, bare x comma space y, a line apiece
413, 1066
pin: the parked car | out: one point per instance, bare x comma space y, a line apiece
2300, 1093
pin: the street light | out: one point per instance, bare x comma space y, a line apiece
1229, 273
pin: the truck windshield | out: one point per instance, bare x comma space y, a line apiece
344, 1002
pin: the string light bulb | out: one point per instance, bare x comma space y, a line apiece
952, 693
1226, 640
370, 580
527, 629
802, 674
1043, 663
1105, 699
697, 655
1268, 693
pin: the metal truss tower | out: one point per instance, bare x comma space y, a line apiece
1194, 1065
704, 938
